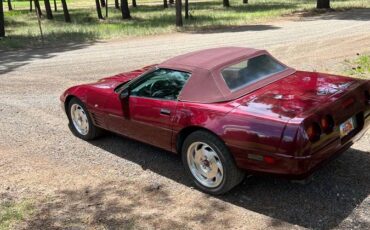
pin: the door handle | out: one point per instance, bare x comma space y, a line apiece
165, 111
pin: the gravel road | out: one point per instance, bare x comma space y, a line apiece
118, 183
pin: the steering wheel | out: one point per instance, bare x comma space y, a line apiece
154, 88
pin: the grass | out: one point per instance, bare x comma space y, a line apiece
12, 213
149, 18
360, 67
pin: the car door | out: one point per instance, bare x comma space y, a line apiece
151, 120
152, 106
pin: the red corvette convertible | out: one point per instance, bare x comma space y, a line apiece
227, 111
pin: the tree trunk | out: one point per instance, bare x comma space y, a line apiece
125, 10
116, 4
323, 4
30, 5
98, 9
106, 9
179, 13
102, 3
49, 13
134, 3
39, 22
67, 18
55, 6
10, 5
165, 4
37, 6
245, 1
186, 9
2, 22
172, 2
226, 3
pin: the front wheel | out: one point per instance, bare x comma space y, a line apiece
209, 163
80, 122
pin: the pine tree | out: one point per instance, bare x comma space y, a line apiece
125, 10
2, 22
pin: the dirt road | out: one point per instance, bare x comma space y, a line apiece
115, 182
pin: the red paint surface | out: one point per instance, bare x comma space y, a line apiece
269, 121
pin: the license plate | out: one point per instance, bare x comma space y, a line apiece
347, 126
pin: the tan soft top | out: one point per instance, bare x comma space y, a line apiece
206, 84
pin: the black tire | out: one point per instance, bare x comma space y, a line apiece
232, 175
93, 131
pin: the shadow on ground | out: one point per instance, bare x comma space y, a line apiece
336, 14
107, 206
231, 29
11, 60
120, 205
332, 195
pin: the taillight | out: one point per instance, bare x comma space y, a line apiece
313, 132
327, 124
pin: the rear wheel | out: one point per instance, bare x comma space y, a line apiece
209, 163
80, 121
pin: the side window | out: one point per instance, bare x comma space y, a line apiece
162, 84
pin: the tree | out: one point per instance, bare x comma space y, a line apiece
10, 5
37, 7
30, 5
116, 4
179, 13
55, 6
186, 9
98, 9
67, 18
245, 1
49, 13
134, 3
125, 10
103, 3
106, 8
172, 1
226, 3
2, 22
165, 4
323, 4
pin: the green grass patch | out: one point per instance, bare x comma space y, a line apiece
360, 67
149, 18
12, 213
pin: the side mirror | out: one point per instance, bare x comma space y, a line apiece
125, 93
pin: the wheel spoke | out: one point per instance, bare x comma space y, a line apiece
218, 177
219, 167
76, 113
204, 174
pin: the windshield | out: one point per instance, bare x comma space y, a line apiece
249, 71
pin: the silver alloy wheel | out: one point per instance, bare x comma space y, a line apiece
79, 119
205, 164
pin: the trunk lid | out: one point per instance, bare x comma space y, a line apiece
297, 95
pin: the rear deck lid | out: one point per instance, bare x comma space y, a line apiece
297, 94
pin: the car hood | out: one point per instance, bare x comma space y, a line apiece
112, 82
296, 94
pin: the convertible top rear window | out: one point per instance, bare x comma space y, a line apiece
251, 70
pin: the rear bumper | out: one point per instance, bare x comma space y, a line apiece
302, 167
307, 165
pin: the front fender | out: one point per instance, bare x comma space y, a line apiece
75, 91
